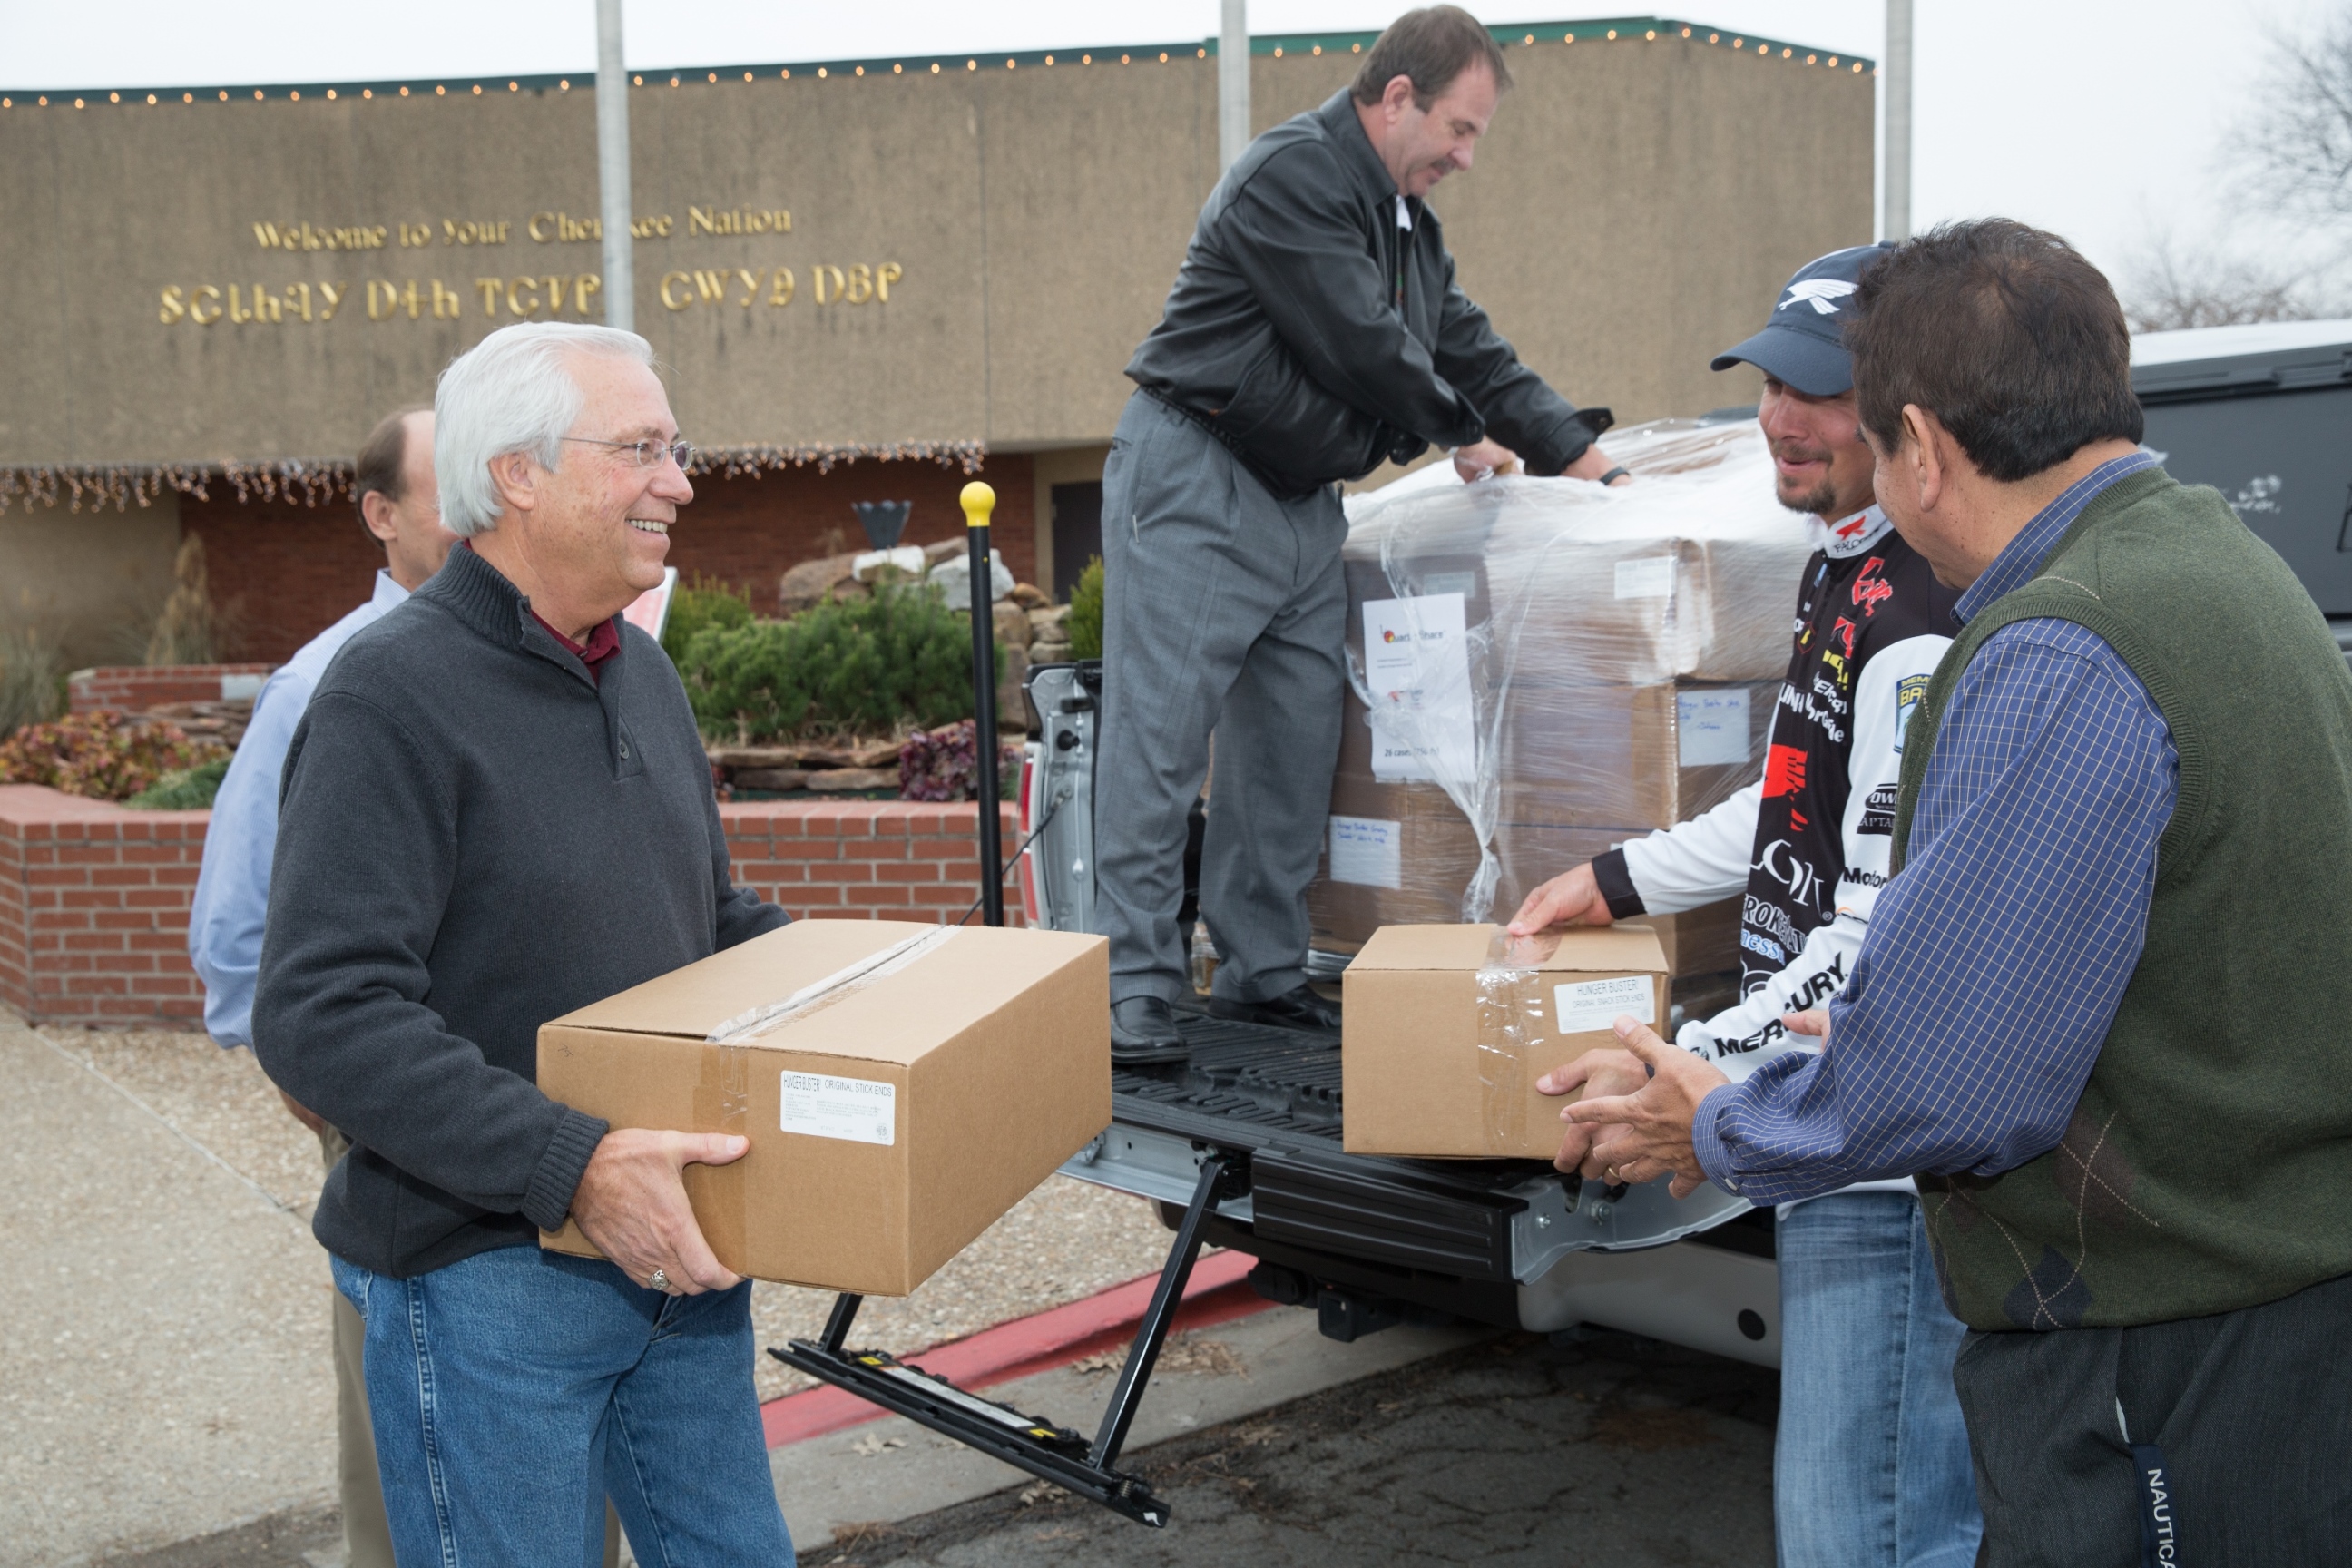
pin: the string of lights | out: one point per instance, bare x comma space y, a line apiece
318, 481
1296, 46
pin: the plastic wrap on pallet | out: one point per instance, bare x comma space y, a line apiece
1543, 668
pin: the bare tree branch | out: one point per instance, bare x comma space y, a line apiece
2169, 289
2297, 142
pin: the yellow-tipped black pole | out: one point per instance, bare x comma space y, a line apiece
979, 500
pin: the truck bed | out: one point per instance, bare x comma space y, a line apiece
1386, 1235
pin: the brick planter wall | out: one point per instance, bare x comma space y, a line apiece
94, 898
135, 688
94, 909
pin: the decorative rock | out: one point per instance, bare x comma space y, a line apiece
1012, 625
848, 781
1048, 653
1050, 624
1012, 707
953, 577
872, 565
732, 757
1030, 597
812, 583
770, 778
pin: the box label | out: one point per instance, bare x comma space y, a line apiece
1711, 728
1368, 851
1583, 1006
1417, 676
1645, 577
858, 1110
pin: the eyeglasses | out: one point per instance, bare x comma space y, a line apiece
646, 454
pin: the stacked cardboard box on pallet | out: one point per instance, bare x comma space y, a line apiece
1542, 669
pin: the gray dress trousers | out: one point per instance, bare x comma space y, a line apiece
1223, 614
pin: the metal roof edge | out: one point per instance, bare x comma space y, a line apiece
1524, 35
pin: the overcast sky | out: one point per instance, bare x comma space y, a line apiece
2103, 120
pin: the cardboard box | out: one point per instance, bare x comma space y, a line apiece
1446, 1029
902, 1085
1573, 755
1401, 853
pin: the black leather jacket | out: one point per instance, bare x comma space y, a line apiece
1316, 337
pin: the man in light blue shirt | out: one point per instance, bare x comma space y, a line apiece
394, 485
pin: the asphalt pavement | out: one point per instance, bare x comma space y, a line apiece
1608, 1451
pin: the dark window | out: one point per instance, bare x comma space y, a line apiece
1077, 532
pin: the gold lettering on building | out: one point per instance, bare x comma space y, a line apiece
543, 297
474, 233
737, 220
303, 237
563, 228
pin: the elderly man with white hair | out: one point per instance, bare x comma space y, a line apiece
496, 810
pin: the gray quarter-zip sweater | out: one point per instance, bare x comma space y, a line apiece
475, 836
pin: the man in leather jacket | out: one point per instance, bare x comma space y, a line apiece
1314, 331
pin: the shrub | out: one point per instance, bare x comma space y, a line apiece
860, 667
31, 680
100, 756
706, 603
188, 630
944, 764
1086, 621
187, 789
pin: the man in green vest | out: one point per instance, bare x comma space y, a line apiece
2104, 1012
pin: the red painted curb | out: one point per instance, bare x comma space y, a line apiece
1216, 1293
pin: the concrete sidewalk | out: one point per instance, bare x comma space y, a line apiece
163, 1326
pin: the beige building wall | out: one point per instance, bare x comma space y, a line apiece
87, 583
1632, 211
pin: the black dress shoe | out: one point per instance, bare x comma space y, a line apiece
1301, 1009
1142, 1030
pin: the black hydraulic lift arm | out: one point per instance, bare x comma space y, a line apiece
1056, 1454
1053, 1452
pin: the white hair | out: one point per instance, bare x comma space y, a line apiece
510, 393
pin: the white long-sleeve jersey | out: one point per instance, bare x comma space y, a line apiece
1851, 690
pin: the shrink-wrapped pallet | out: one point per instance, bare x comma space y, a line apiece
1542, 668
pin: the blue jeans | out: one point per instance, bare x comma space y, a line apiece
512, 1391
1872, 1465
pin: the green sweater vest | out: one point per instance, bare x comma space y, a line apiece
2208, 1165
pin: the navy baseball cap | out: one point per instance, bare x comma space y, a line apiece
1803, 342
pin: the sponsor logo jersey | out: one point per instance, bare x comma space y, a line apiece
1865, 591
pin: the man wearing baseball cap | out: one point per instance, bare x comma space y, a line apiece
1872, 1462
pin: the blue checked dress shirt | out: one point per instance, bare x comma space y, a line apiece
1977, 1007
